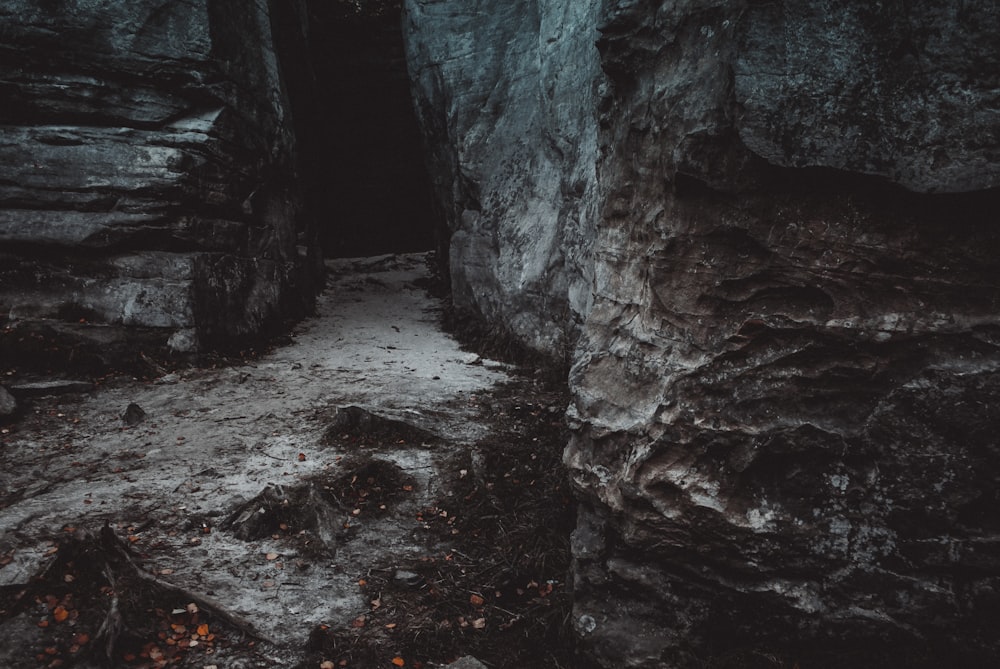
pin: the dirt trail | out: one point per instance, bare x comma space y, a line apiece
173, 486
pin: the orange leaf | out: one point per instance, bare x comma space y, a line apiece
203, 629
398, 661
60, 614
476, 600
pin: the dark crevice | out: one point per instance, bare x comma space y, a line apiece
361, 160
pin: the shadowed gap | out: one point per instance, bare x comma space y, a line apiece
361, 162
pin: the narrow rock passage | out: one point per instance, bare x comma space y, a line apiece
217, 451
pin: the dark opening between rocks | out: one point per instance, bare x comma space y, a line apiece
360, 152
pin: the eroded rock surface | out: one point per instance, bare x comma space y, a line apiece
505, 93
786, 384
148, 192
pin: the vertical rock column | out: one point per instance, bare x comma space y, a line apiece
504, 93
147, 194
787, 392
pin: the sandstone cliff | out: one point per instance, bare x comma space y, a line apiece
775, 223
148, 190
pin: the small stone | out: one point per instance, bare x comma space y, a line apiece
168, 379
133, 415
471, 359
407, 579
8, 405
183, 341
467, 662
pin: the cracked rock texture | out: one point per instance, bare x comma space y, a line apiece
147, 192
775, 224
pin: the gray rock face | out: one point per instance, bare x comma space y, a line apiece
148, 177
911, 93
505, 93
786, 383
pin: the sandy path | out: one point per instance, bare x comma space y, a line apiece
213, 439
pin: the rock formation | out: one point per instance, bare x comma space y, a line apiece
148, 190
786, 380
506, 96
762, 232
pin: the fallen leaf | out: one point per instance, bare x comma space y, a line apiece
60, 614
390, 626
271, 556
203, 629
476, 600
302, 457
479, 623
359, 621
398, 661
326, 664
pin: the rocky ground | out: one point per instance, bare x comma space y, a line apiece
368, 495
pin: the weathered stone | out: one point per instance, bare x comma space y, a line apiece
910, 93
50, 387
8, 405
505, 95
134, 414
149, 166
787, 377
467, 662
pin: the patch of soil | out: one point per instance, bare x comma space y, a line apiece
501, 590
359, 428
311, 514
94, 604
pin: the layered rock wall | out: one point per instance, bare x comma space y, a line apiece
787, 378
148, 190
